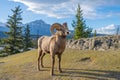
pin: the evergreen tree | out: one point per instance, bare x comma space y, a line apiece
14, 41
81, 31
117, 30
95, 33
27, 39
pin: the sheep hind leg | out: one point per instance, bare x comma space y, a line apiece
53, 62
41, 59
40, 53
59, 63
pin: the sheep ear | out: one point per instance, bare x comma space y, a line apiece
65, 25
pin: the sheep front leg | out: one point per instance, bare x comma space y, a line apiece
53, 62
59, 65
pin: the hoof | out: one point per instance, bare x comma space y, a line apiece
60, 71
42, 66
52, 74
38, 69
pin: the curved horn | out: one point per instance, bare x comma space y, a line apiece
55, 26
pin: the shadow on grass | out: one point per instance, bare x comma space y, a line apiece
2, 62
90, 74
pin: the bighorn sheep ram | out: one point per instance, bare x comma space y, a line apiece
55, 45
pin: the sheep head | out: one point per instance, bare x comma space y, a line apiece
62, 30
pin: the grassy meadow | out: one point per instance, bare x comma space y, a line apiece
76, 65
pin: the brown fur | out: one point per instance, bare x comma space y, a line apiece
55, 45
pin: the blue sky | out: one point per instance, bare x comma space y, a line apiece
102, 15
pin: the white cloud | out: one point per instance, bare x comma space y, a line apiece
66, 8
52, 10
110, 29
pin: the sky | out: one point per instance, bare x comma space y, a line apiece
101, 15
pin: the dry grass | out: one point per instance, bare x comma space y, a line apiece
76, 65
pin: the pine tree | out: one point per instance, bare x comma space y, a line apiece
14, 41
117, 30
81, 31
95, 33
27, 39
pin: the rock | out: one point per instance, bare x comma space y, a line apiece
95, 43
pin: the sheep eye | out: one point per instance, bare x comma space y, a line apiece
60, 29
63, 32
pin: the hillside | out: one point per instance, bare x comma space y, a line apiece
76, 65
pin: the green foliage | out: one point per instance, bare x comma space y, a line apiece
3, 55
27, 39
0, 41
14, 41
81, 31
95, 33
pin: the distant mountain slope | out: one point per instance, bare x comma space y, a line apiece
71, 35
3, 27
2, 24
39, 27
2, 35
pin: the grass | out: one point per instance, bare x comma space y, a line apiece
76, 65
